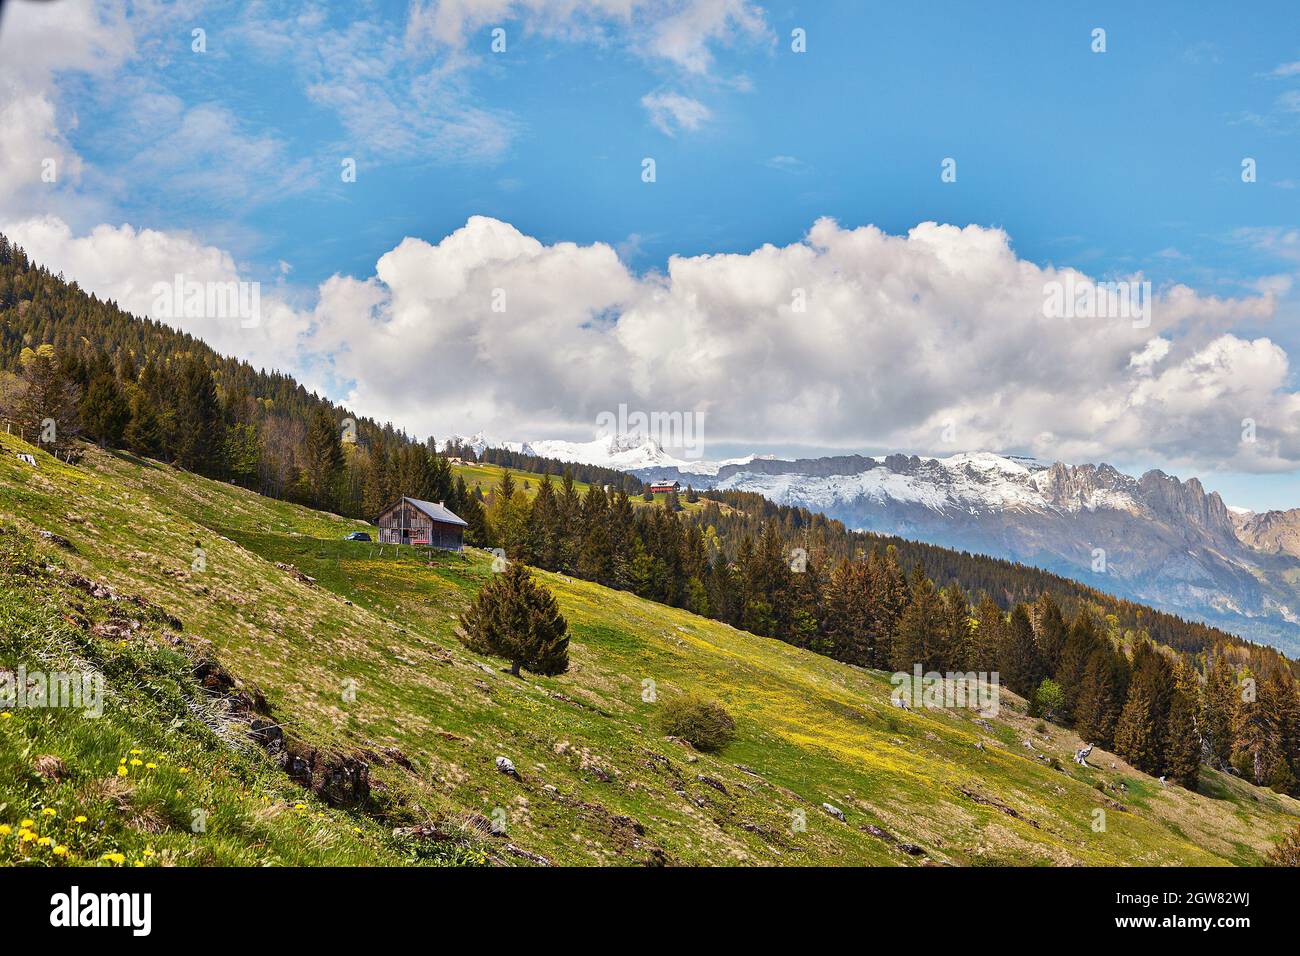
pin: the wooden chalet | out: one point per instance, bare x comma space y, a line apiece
660, 486
412, 521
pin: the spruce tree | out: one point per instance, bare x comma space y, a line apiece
199, 430
105, 411
1081, 643
322, 458
1222, 697
987, 643
1100, 700
518, 619
1183, 747
1021, 668
144, 434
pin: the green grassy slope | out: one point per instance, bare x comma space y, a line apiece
486, 477
597, 783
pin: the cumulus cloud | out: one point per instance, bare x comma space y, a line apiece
851, 338
126, 265
48, 39
672, 111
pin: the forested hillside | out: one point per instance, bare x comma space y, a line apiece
1080, 657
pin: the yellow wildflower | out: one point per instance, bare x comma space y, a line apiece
60, 850
121, 771
137, 752
151, 766
135, 762
28, 836
49, 812
184, 770
6, 716
5, 829
78, 819
44, 841
29, 822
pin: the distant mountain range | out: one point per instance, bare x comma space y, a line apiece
1155, 539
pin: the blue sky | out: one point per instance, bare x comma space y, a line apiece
1111, 163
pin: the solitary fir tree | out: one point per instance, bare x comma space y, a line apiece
516, 618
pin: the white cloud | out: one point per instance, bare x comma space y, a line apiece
123, 264
37, 43
901, 335
672, 111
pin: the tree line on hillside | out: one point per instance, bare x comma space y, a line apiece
1162, 711
93, 370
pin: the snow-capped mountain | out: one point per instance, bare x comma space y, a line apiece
630, 453
1152, 538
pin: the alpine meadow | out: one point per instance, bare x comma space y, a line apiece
451, 444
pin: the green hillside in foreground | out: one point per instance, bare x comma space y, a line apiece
353, 648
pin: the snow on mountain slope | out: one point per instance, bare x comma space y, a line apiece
626, 453
970, 483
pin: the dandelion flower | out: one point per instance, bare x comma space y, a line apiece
44, 841
49, 812
29, 822
184, 770
121, 771
136, 762
60, 850
6, 716
28, 836
137, 752
78, 819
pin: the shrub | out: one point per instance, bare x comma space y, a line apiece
1287, 851
703, 722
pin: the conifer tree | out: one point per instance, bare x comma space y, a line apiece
1021, 668
199, 430
1081, 643
104, 411
1222, 696
1100, 699
916, 640
1183, 746
322, 458
516, 618
988, 636
144, 434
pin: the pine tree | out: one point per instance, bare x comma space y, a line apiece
144, 434
987, 643
1100, 699
1222, 696
1081, 643
956, 652
1021, 667
516, 618
1135, 733
1141, 736
199, 430
1183, 747
104, 411
322, 458
1051, 632
916, 640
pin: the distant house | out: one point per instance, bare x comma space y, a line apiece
412, 521
657, 486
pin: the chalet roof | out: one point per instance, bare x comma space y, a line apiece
437, 512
